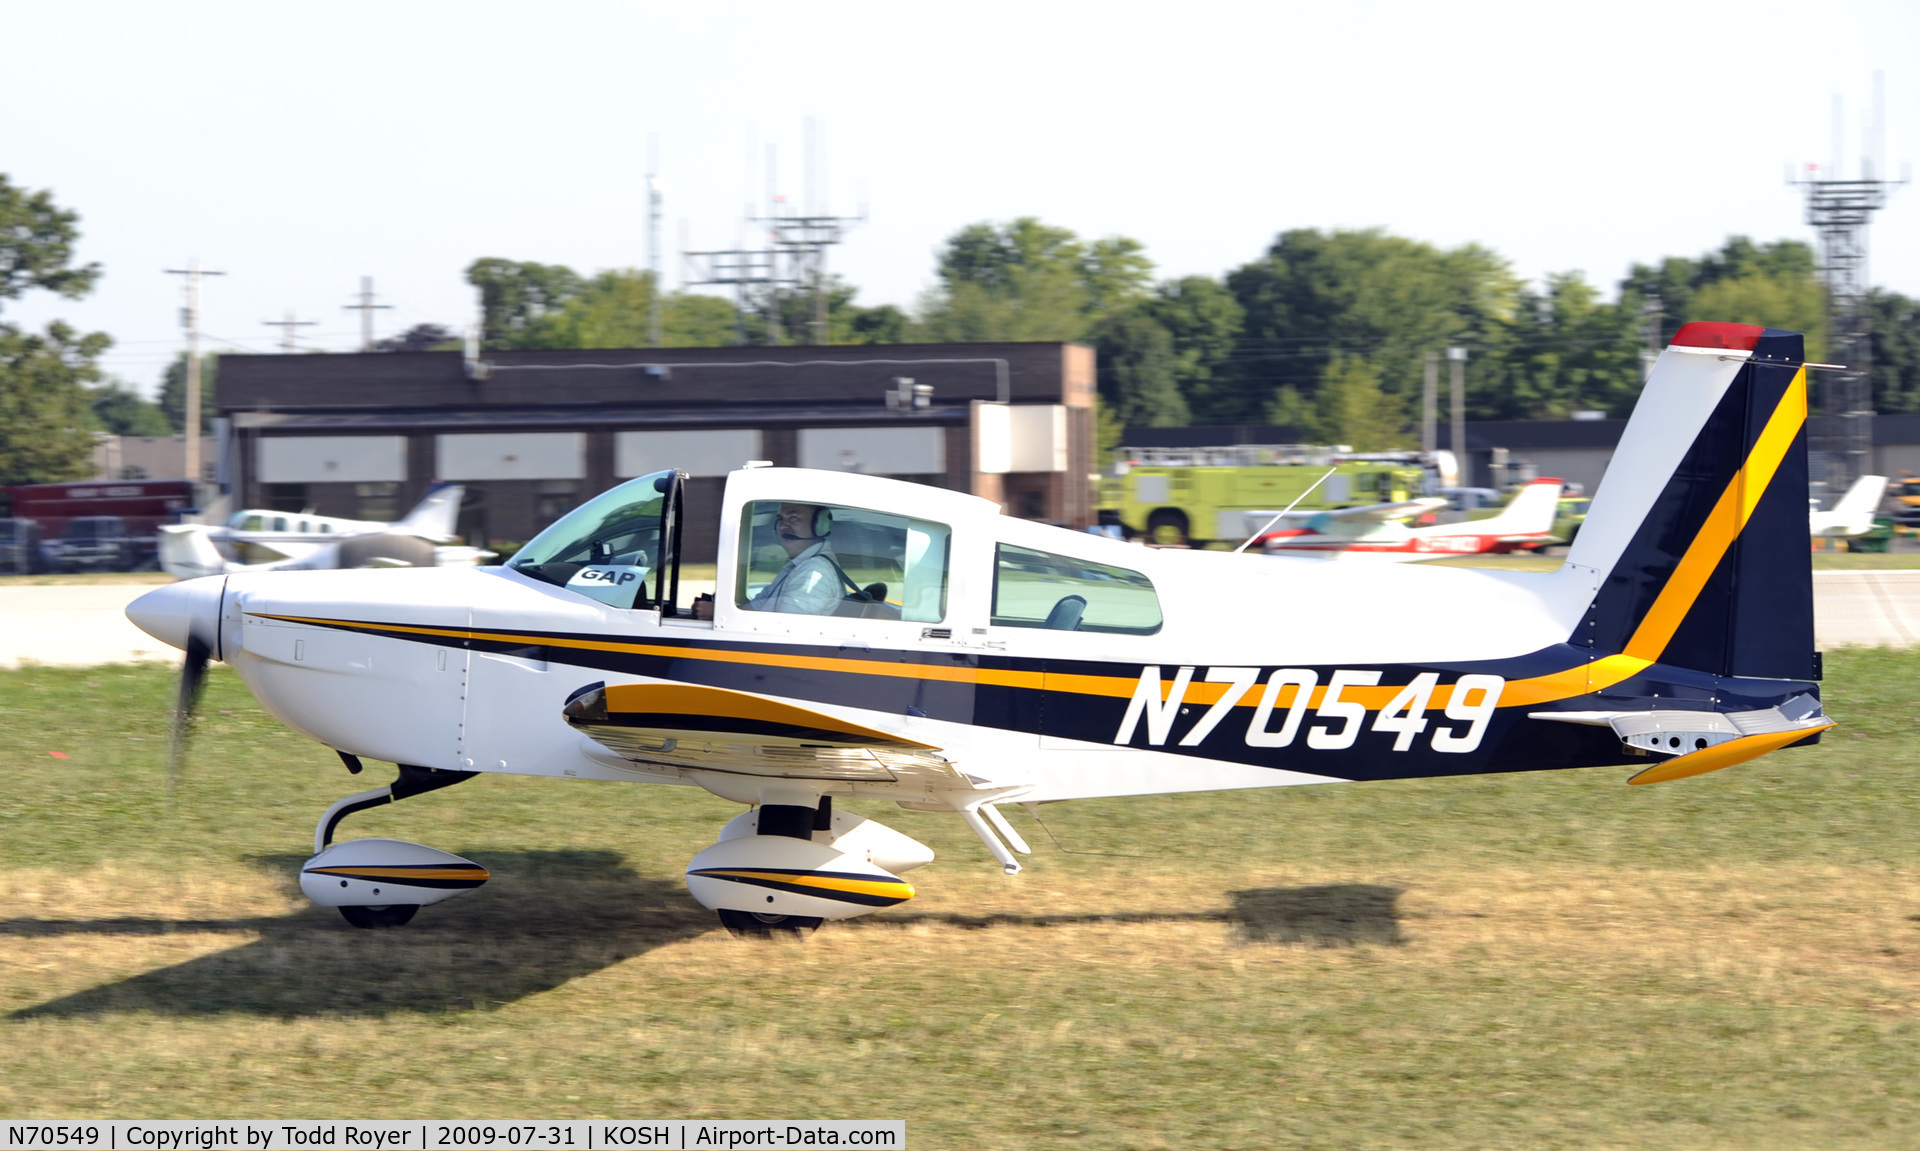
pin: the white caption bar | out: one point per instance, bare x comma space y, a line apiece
449, 1135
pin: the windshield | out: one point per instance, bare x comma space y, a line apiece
608, 547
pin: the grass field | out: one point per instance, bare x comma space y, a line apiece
1543, 961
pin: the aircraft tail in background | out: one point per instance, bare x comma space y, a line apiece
434, 517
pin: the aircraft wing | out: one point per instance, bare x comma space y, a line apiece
1366, 513
715, 729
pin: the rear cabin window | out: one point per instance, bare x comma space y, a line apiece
828, 559
1040, 589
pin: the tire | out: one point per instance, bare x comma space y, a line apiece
363, 550
754, 925
1167, 527
392, 915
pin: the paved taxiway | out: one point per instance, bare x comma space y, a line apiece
87, 624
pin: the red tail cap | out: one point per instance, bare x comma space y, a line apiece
1731, 337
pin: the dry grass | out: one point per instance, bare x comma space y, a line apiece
1551, 960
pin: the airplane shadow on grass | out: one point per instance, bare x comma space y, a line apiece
1324, 915
547, 917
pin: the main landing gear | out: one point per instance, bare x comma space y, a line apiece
793, 862
384, 882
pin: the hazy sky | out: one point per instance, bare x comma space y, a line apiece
298, 147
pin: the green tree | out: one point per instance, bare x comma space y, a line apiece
515, 294
880, 324
173, 392
1797, 302
45, 435
530, 305
1350, 408
1896, 352
125, 412
36, 246
1677, 281
1204, 322
1318, 296
1137, 377
1563, 350
1025, 280
692, 320
44, 401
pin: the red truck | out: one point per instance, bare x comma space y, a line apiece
97, 541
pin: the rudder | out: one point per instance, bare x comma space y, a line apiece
1715, 575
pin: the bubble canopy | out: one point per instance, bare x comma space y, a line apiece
619, 547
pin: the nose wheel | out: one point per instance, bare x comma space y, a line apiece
384, 882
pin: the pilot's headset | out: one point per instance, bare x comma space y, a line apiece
822, 524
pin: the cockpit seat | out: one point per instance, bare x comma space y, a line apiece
869, 602
1066, 614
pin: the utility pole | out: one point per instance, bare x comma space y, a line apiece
286, 327
190, 320
366, 307
656, 189
1840, 210
1457, 372
1429, 392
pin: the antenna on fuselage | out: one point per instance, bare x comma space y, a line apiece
1283, 511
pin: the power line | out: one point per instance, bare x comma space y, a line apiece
366, 307
286, 327
190, 319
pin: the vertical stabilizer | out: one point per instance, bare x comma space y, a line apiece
1698, 536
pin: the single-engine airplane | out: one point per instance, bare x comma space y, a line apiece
1380, 531
260, 539
877, 639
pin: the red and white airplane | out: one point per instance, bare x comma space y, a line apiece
1380, 531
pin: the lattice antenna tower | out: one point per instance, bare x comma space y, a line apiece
800, 240
1840, 209
752, 273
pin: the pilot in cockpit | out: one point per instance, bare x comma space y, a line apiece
811, 583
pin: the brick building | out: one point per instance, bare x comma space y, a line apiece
534, 433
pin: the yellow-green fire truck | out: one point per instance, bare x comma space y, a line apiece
1174, 496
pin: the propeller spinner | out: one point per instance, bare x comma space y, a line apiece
185, 615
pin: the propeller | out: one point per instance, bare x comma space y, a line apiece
193, 678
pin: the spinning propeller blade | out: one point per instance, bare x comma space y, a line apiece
193, 675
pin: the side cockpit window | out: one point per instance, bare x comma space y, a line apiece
1043, 590
829, 559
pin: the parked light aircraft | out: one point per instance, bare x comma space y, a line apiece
260, 539
1380, 531
1853, 515
875, 639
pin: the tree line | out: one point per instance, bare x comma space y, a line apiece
1327, 331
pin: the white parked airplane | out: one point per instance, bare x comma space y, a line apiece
1853, 515
880, 640
1380, 531
259, 539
